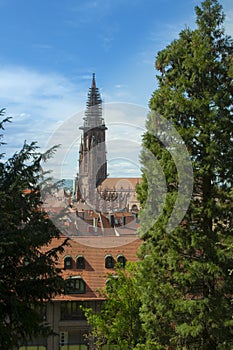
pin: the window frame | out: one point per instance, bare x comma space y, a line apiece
78, 287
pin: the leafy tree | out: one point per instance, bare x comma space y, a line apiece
118, 323
28, 274
186, 288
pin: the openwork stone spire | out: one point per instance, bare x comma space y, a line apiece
93, 114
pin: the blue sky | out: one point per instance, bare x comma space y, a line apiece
49, 49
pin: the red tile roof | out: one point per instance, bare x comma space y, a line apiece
121, 182
94, 250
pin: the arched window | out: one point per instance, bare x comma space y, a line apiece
68, 262
121, 259
75, 285
109, 262
80, 262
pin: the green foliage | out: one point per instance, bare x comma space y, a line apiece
184, 276
28, 275
118, 321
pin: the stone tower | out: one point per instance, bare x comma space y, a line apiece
92, 153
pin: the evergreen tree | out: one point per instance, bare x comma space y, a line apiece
28, 274
186, 285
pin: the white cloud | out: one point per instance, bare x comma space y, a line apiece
23, 86
36, 102
86, 77
229, 23
124, 168
120, 86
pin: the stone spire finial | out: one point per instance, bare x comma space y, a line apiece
93, 81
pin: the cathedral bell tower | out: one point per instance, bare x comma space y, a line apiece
92, 153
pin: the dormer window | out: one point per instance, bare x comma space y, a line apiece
80, 262
121, 259
75, 285
68, 262
109, 262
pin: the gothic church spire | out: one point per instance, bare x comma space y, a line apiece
93, 114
